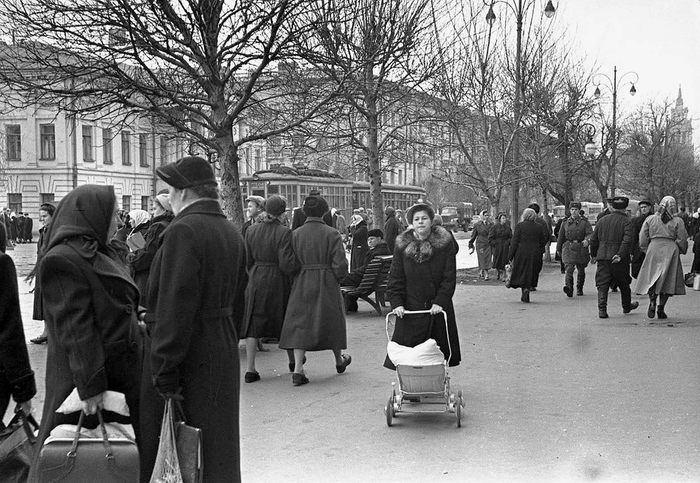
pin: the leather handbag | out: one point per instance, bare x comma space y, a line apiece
189, 449
17, 447
82, 459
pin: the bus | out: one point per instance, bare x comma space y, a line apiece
590, 209
344, 195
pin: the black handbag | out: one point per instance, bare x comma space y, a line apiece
17, 447
189, 449
81, 458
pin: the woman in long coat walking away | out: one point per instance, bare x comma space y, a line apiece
359, 245
315, 318
423, 276
90, 306
529, 239
271, 263
480, 242
665, 238
499, 239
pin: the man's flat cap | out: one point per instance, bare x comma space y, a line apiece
187, 172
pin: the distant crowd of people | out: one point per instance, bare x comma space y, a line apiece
17, 228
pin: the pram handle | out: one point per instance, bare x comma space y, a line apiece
416, 312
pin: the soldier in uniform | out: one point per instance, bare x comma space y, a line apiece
572, 245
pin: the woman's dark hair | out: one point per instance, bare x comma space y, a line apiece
48, 207
209, 190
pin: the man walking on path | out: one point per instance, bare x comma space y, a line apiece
572, 243
392, 228
637, 253
196, 301
611, 244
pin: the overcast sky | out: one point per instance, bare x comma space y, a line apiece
657, 39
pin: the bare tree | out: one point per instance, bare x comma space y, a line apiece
199, 66
374, 52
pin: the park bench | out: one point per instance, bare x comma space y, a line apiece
373, 281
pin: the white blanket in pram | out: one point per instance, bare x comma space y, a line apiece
424, 354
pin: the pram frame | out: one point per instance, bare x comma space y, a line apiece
410, 380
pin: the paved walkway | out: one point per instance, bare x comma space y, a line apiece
553, 393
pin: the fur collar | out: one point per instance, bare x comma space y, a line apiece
422, 250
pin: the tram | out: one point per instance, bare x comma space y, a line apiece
344, 195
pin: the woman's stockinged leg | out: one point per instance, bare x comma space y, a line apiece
299, 361
251, 348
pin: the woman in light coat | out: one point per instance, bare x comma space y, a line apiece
664, 237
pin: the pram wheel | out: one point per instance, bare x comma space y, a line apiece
458, 412
389, 410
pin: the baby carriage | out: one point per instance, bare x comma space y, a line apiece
422, 385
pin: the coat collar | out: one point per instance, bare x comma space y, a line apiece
202, 206
422, 250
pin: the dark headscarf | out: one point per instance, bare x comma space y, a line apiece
85, 212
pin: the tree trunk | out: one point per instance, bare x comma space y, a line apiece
230, 185
373, 164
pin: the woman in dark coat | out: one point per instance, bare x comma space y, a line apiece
46, 211
90, 305
315, 318
142, 259
423, 276
529, 239
271, 263
359, 245
499, 239
16, 375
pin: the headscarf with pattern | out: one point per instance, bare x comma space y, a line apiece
667, 208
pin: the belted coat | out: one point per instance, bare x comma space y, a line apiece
195, 301
315, 318
574, 231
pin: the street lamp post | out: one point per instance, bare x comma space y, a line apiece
613, 85
519, 8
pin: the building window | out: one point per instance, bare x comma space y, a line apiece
14, 202
163, 150
88, 154
47, 139
13, 136
107, 146
146, 203
258, 159
126, 203
126, 148
47, 198
143, 149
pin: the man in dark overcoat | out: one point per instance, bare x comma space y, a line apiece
392, 228
377, 248
645, 207
572, 243
16, 375
195, 301
28, 228
611, 245
359, 245
299, 217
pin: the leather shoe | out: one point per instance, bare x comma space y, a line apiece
525, 296
346, 362
42, 339
252, 376
299, 379
632, 306
603, 314
569, 291
651, 311
660, 312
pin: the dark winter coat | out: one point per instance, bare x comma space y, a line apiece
142, 259
28, 228
299, 218
196, 301
3, 238
354, 278
90, 305
499, 239
574, 231
16, 375
359, 246
529, 239
423, 273
38, 309
315, 318
392, 229
612, 236
271, 263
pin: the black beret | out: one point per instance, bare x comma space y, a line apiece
575, 204
375, 232
187, 172
535, 206
275, 205
315, 206
620, 202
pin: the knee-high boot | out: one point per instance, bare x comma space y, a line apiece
603, 303
626, 297
580, 280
